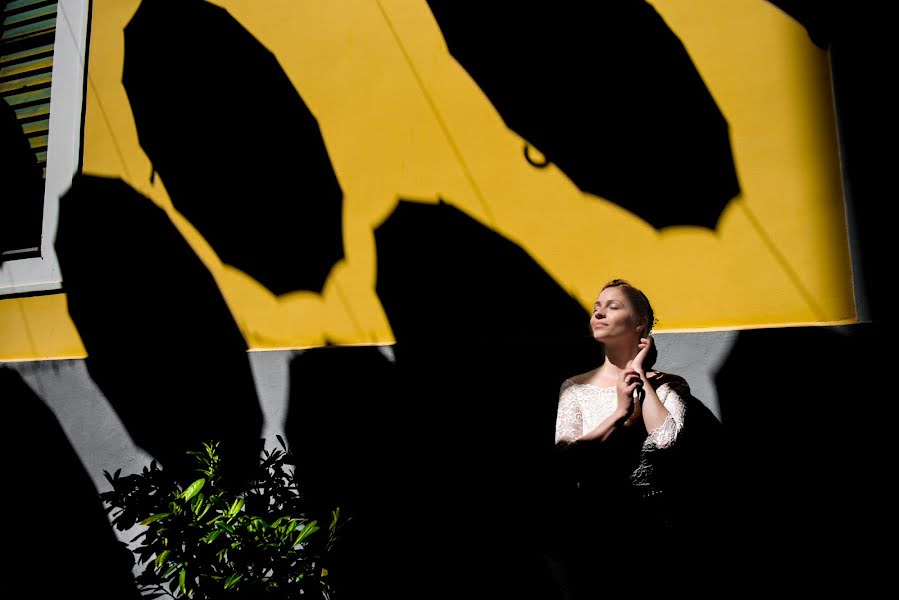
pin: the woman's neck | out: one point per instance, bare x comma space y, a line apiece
617, 359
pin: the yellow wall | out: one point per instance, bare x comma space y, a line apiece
401, 119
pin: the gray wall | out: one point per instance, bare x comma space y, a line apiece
102, 443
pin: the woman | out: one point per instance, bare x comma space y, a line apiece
617, 431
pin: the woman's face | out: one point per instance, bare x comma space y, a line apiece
614, 317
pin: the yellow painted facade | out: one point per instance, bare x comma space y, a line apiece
401, 119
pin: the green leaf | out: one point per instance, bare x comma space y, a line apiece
170, 570
234, 578
291, 527
310, 528
153, 518
161, 558
195, 487
224, 526
211, 537
235, 508
178, 534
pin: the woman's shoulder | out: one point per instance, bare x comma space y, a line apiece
580, 378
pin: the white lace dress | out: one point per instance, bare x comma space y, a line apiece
583, 406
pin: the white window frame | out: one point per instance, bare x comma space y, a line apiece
38, 274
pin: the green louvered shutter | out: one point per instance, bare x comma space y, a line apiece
27, 34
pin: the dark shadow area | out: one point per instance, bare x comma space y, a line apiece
58, 536
807, 419
670, 528
606, 92
23, 190
240, 154
862, 53
695, 480
446, 280
162, 344
484, 339
350, 433
819, 17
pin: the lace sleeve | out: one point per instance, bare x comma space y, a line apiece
673, 396
569, 420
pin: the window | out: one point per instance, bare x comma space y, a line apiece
42, 64
27, 31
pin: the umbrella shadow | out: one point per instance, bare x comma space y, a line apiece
606, 92
346, 428
162, 344
51, 480
820, 19
241, 155
803, 456
484, 338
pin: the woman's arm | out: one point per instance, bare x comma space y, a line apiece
652, 409
606, 428
654, 412
673, 396
624, 413
569, 420
663, 408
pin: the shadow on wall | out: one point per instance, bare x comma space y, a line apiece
162, 345
611, 97
442, 454
263, 194
820, 18
805, 416
59, 537
353, 452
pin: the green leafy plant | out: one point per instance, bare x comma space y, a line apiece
204, 540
